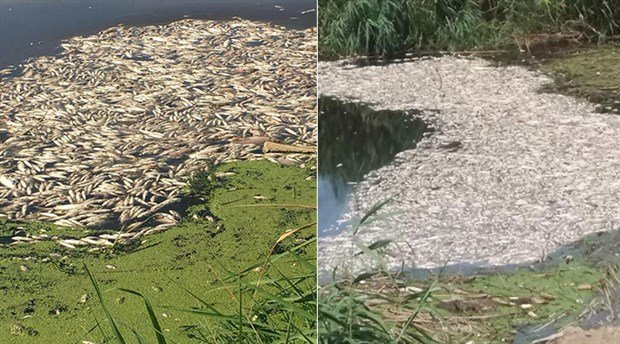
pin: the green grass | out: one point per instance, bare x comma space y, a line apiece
455, 309
231, 280
353, 27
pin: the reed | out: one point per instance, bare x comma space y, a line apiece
367, 27
344, 314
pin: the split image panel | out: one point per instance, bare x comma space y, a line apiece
157, 172
468, 171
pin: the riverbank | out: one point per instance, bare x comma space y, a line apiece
590, 73
521, 305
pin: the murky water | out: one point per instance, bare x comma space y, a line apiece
355, 139
35, 28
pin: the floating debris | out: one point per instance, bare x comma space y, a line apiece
106, 134
84, 298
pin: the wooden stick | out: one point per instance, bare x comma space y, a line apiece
271, 147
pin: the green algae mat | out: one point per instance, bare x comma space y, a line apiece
592, 73
222, 274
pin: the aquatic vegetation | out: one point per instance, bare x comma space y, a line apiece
592, 73
365, 27
456, 308
381, 305
224, 263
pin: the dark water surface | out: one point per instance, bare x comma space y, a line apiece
35, 28
354, 140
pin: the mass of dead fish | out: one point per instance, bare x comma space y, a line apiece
106, 134
509, 175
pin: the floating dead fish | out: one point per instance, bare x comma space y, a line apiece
7, 182
252, 140
108, 132
508, 175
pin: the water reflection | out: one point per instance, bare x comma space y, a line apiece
354, 140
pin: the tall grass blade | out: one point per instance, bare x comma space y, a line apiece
372, 211
149, 308
117, 332
413, 315
240, 333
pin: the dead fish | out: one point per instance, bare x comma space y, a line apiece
7, 182
252, 140
111, 136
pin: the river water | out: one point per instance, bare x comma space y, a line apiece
354, 140
35, 28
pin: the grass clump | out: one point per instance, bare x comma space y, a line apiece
370, 26
346, 312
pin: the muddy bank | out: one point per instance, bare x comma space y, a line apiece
530, 171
